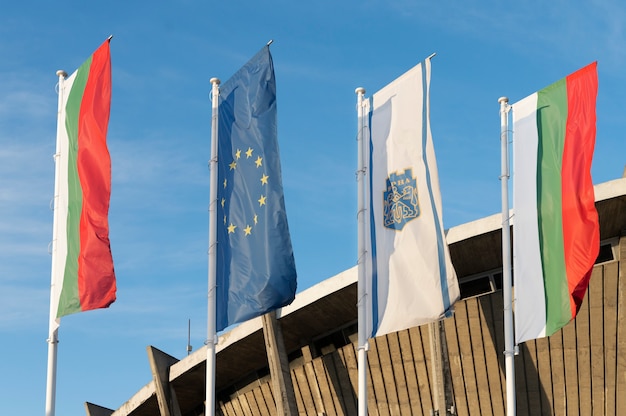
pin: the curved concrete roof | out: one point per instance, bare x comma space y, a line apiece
331, 304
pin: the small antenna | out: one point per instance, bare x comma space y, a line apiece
188, 336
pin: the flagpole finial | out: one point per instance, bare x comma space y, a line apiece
61, 73
270, 42
359, 90
503, 100
215, 81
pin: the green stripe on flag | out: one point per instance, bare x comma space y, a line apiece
551, 122
69, 300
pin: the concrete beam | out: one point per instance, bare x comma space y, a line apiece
160, 363
279, 366
95, 410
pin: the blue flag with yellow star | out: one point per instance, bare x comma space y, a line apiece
256, 271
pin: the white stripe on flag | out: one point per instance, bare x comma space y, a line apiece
61, 203
530, 312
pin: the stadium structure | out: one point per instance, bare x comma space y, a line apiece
455, 366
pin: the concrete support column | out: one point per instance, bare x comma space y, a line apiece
95, 410
279, 366
160, 364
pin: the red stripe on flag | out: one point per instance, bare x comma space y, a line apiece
581, 232
96, 276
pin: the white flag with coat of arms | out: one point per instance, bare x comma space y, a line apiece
410, 277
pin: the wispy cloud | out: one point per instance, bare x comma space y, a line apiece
562, 29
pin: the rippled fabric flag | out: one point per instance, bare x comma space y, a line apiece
411, 280
255, 264
556, 235
84, 277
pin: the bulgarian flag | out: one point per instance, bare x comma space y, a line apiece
82, 266
556, 236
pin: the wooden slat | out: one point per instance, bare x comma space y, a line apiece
478, 351
559, 401
415, 403
237, 409
265, 398
491, 355
371, 391
583, 352
228, 409
321, 376
497, 314
425, 382
545, 374
533, 385
621, 333
336, 393
570, 362
298, 391
456, 369
596, 318
387, 367
521, 387
252, 403
400, 360
467, 361
314, 387
380, 392
349, 360
305, 390
245, 406
611, 274
341, 380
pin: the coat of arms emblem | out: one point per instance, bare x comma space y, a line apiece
400, 201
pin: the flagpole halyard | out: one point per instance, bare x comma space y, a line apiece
53, 330
362, 290
509, 348
212, 274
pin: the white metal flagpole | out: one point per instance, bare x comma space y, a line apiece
53, 328
211, 321
509, 347
362, 290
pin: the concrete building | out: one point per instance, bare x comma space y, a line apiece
457, 364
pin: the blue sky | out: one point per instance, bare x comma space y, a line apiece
163, 55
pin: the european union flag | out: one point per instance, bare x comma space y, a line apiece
256, 271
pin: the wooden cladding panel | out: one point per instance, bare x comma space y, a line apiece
456, 367
580, 370
570, 362
610, 337
621, 334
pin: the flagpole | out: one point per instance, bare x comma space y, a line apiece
362, 291
509, 348
53, 326
211, 321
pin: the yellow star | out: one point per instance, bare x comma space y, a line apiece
256, 219
225, 182
233, 165
264, 179
247, 230
224, 219
237, 154
259, 161
249, 153
261, 201
231, 228
223, 202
